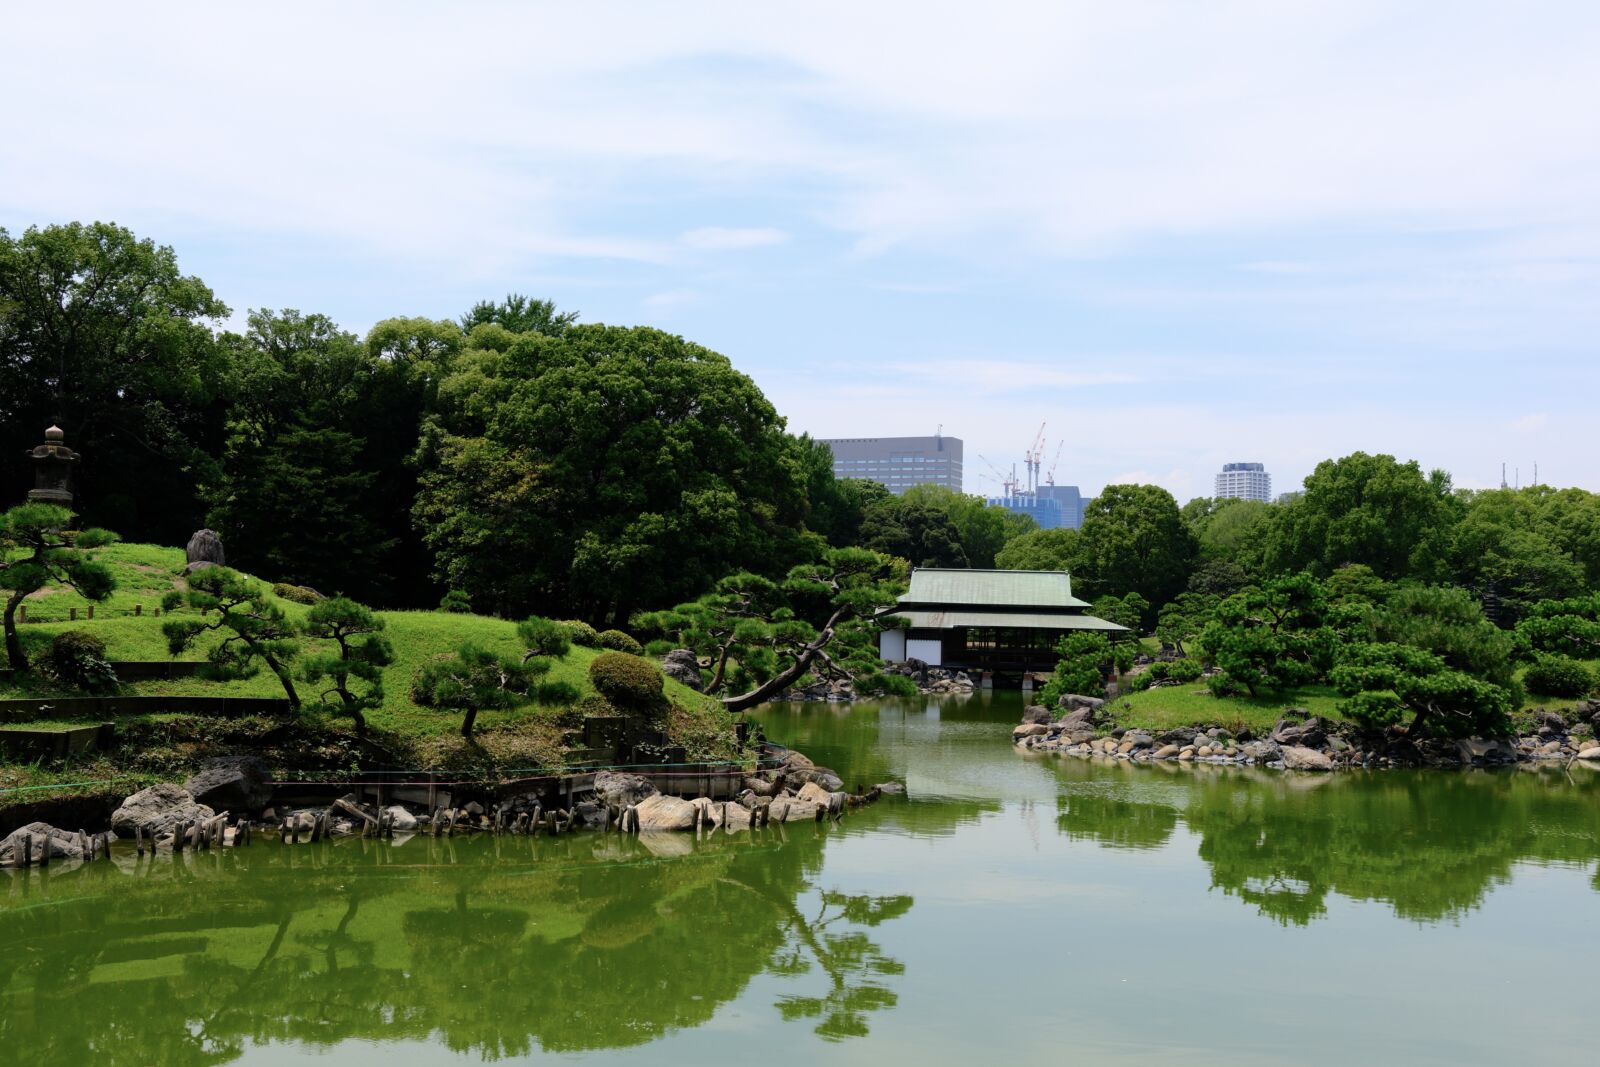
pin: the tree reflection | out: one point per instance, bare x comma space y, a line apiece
556, 945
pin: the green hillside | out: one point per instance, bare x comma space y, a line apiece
532, 735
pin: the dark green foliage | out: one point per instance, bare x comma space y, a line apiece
1558, 676
1045, 550
1275, 637
311, 463
1364, 509
519, 314
36, 548
556, 694
921, 534
1123, 610
103, 334
1384, 682
1566, 627
354, 666
77, 659
878, 683
457, 602
757, 637
543, 637
617, 641
1218, 577
1527, 545
1136, 542
474, 679
603, 469
254, 628
1086, 659
581, 633
983, 529
297, 594
1449, 623
630, 683
1181, 621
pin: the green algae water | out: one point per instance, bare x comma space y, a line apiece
1011, 909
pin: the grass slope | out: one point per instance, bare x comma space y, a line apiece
520, 737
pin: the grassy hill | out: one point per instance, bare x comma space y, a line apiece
522, 737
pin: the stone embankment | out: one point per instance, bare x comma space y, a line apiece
230, 801
930, 681
1301, 743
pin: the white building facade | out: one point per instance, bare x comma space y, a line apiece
1244, 481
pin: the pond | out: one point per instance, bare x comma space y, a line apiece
1012, 909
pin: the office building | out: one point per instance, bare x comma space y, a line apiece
1069, 499
899, 462
1244, 481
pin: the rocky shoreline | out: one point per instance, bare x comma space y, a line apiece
1302, 743
930, 681
231, 801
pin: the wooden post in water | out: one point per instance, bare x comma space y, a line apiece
138, 838
27, 850
180, 830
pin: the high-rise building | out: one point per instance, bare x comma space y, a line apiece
1244, 481
1071, 501
899, 462
1051, 506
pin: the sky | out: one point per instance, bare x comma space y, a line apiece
1175, 234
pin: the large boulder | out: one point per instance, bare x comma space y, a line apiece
814, 793
589, 815
619, 790
204, 550
1076, 701
1308, 734
400, 819
232, 783
1300, 758
661, 812
1029, 729
62, 845
1036, 713
681, 666
819, 775
157, 810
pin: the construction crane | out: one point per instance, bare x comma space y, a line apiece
1050, 475
1009, 483
1034, 459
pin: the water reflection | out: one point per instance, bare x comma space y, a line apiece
1428, 844
497, 947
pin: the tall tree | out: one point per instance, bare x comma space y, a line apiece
1046, 550
102, 333
919, 533
984, 528
1365, 509
519, 314
1137, 543
601, 470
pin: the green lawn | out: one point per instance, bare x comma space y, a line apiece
1193, 705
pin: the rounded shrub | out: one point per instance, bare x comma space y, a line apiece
77, 658
617, 641
1558, 676
297, 594
457, 602
581, 633
1185, 670
633, 685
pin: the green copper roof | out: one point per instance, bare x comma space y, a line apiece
951, 620
975, 588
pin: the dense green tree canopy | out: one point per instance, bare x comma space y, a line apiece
1137, 543
603, 470
984, 528
1045, 550
102, 333
920, 533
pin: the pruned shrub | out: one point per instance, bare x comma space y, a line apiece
553, 693
457, 602
1558, 676
297, 594
581, 633
77, 659
542, 637
617, 641
1185, 670
633, 685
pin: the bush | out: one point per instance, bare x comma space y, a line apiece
632, 684
78, 659
541, 637
549, 693
457, 602
298, 594
1554, 676
581, 633
877, 683
1144, 681
1185, 670
617, 641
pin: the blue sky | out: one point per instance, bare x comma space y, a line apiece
1178, 234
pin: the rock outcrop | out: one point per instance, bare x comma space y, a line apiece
157, 810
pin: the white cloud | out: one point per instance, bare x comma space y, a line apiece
723, 239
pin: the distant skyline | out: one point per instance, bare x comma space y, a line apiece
1180, 235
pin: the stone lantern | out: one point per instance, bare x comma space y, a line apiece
52, 469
